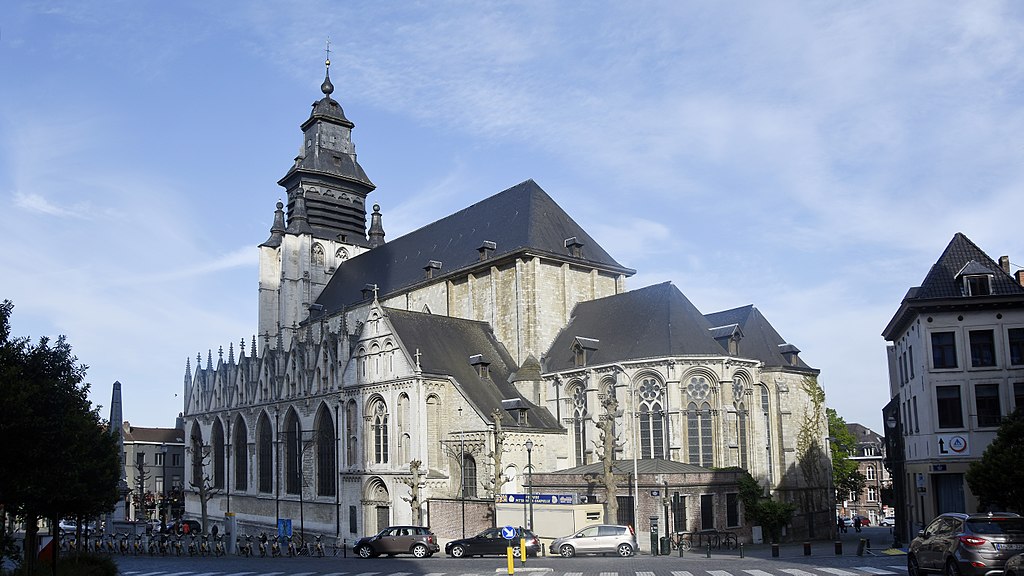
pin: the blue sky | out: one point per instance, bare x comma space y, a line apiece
810, 158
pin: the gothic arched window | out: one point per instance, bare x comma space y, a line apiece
579, 423
292, 453
652, 418
241, 454
217, 449
350, 433
379, 424
767, 422
741, 433
468, 476
317, 255
326, 461
265, 451
698, 430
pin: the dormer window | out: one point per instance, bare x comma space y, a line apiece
485, 249
976, 279
430, 267
979, 285
574, 246
583, 350
482, 366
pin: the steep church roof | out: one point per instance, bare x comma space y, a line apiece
522, 219
652, 322
446, 344
760, 340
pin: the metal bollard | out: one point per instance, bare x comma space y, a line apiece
860, 547
741, 549
709, 550
680, 545
775, 550
344, 548
807, 548
839, 547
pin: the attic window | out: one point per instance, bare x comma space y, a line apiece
477, 361
791, 353
583, 349
575, 247
430, 267
485, 249
978, 285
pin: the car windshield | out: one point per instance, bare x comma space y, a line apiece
996, 526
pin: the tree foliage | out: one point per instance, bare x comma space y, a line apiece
845, 476
762, 510
62, 462
998, 478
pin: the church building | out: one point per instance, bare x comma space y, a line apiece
393, 380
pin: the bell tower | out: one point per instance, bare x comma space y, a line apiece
323, 222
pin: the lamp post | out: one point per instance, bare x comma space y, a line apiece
832, 496
163, 487
462, 469
894, 462
529, 472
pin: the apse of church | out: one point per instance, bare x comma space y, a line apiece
395, 381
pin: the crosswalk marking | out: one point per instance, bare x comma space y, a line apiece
719, 573
400, 574
239, 574
903, 568
302, 574
574, 574
758, 573
430, 574
797, 572
608, 574
208, 573
681, 573
872, 570
645, 574
367, 573
838, 571
328, 574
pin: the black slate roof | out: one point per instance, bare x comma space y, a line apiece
446, 344
760, 340
651, 322
962, 256
521, 219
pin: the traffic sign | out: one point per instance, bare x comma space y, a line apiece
509, 533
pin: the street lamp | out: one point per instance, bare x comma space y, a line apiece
529, 472
163, 487
462, 469
833, 496
894, 462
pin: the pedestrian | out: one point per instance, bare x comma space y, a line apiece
841, 524
214, 530
856, 523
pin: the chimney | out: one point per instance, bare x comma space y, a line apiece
1004, 263
1020, 277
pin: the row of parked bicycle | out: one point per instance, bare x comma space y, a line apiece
194, 545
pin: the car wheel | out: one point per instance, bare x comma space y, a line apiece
458, 551
365, 551
625, 550
952, 568
566, 551
912, 567
420, 551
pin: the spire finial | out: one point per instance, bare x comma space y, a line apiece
327, 87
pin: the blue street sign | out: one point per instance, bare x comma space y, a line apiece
509, 533
284, 527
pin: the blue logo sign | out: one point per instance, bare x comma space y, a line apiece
284, 527
509, 533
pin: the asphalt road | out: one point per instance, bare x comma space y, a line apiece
755, 561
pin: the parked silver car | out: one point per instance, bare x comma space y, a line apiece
599, 539
958, 544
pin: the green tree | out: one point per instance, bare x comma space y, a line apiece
61, 460
762, 510
845, 476
998, 478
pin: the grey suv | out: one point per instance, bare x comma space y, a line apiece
416, 540
599, 539
966, 544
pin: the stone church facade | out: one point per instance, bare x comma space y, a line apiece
392, 378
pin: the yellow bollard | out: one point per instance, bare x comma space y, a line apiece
511, 562
522, 549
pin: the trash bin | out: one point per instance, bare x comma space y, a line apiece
666, 546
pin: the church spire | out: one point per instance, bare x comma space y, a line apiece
376, 228
326, 175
